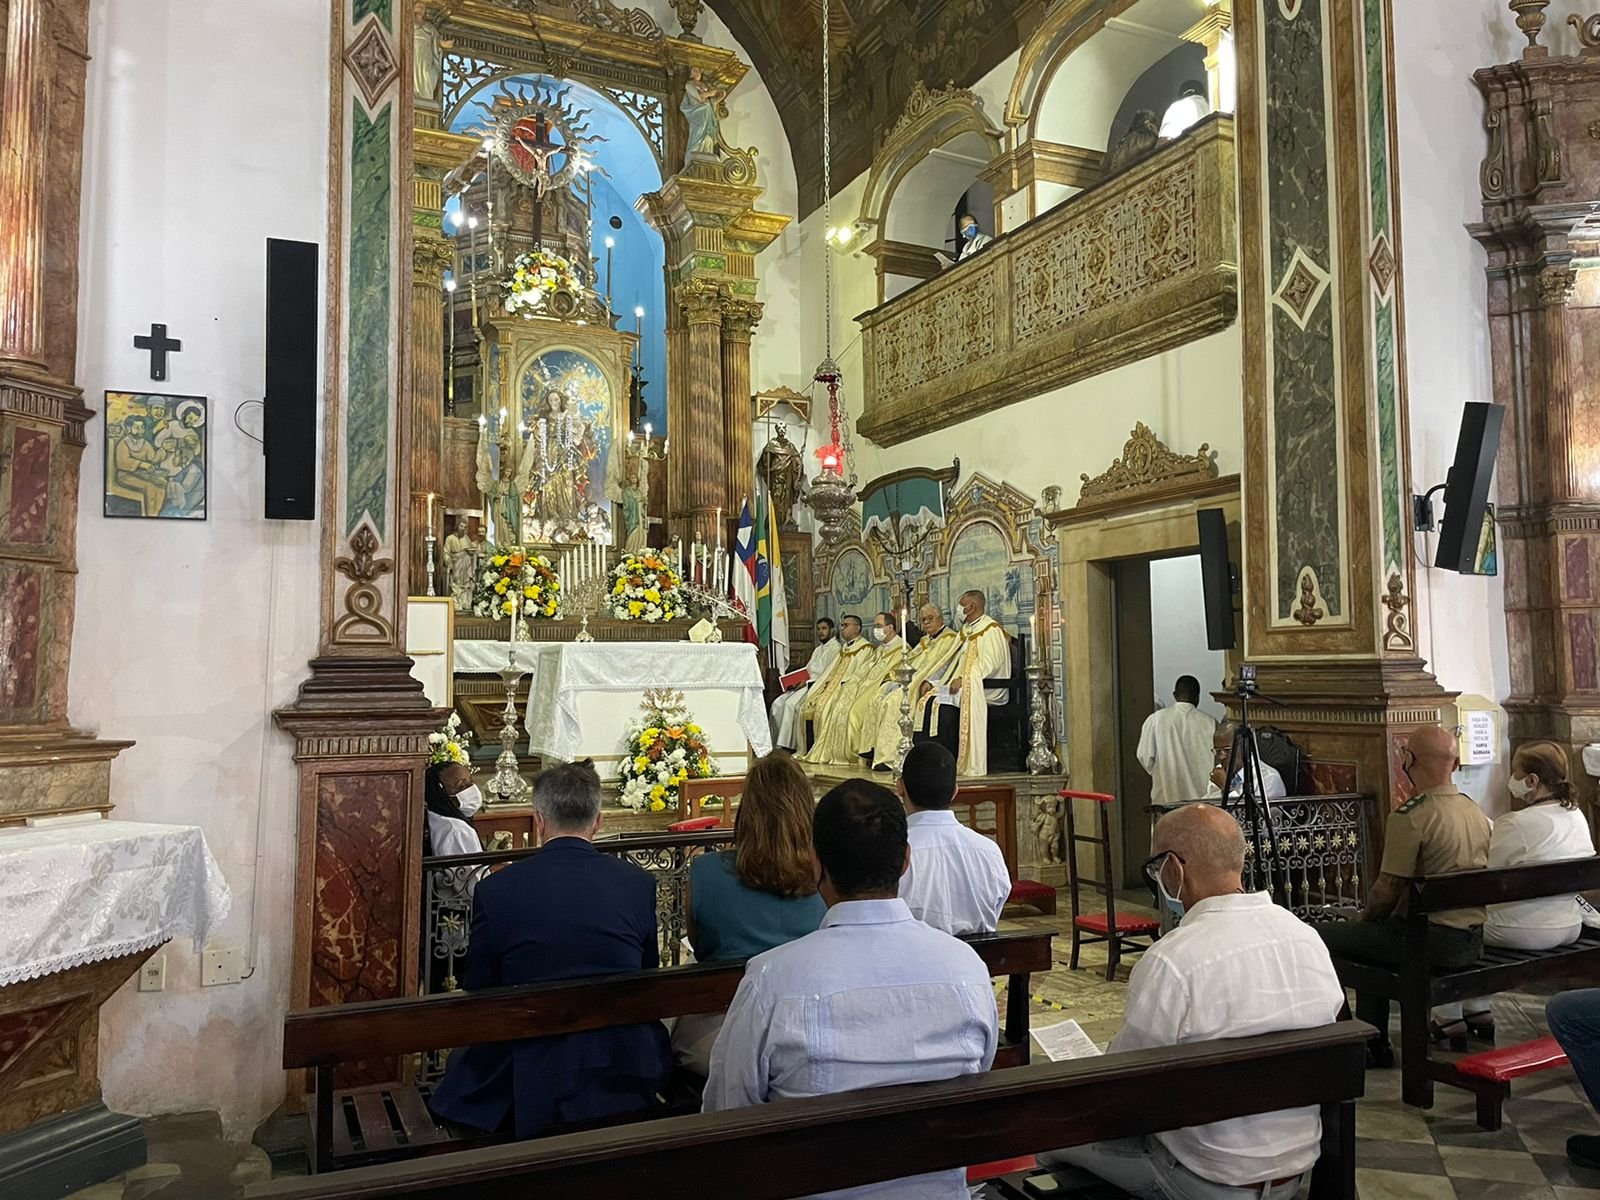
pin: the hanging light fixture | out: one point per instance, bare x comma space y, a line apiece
833, 492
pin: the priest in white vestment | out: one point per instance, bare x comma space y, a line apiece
838, 722
881, 730
1175, 746
787, 726
822, 693
957, 714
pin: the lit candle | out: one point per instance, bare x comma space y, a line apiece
430, 512
516, 611
903, 625
1033, 640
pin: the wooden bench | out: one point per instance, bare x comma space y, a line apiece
798, 1147
1418, 989
357, 1126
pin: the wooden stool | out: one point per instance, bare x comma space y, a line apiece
1117, 932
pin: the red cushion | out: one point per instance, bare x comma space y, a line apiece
1025, 890
1508, 1062
981, 1171
695, 825
1126, 923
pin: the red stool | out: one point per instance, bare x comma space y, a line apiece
1118, 932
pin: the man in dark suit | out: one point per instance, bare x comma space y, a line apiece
566, 912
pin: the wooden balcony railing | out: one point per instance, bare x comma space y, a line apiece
1142, 263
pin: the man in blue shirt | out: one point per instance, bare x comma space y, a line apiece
564, 913
875, 997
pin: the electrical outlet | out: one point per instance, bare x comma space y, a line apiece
153, 975
219, 966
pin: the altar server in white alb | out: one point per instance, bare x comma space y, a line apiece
786, 722
957, 704
1175, 746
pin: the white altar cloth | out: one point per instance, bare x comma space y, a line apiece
79, 893
583, 694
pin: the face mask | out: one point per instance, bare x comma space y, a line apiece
470, 799
1520, 789
880, 634
1173, 904
969, 232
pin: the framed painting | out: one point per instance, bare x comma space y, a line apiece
157, 451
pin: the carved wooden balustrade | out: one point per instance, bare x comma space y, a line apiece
1142, 263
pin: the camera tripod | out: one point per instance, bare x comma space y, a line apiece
1250, 806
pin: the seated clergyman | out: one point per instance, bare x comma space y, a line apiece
564, 913
873, 998
1238, 966
953, 703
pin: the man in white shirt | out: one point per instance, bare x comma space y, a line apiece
1175, 746
873, 998
1271, 781
1238, 966
957, 880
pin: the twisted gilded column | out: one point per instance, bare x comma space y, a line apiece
24, 130
739, 319
702, 458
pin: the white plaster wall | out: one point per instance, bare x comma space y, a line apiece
1460, 619
203, 138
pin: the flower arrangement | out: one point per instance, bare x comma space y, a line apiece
644, 587
665, 747
512, 569
534, 276
450, 744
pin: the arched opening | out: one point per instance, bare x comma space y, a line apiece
932, 194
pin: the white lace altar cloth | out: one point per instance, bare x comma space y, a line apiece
583, 694
81, 893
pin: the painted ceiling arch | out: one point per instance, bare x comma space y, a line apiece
882, 49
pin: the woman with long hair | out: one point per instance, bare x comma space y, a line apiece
1544, 826
758, 895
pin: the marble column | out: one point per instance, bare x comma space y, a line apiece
739, 319
1327, 539
24, 134
702, 456
1537, 184
360, 720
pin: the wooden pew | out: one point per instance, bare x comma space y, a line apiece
374, 1124
797, 1147
1418, 989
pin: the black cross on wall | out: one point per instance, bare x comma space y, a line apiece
159, 345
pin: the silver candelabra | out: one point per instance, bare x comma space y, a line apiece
508, 786
1040, 757
587, 593
902, 676
433, 570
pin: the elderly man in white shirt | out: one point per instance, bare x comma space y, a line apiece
873, 998
957, 880
1272, 785
1238, 966
1175, 746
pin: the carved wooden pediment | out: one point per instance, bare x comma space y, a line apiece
1147, 465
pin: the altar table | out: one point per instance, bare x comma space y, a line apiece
583, 695
84, 892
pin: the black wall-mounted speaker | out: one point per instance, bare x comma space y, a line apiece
289, 407
1216, 578
1466, 488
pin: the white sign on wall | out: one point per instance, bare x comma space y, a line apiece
1479, 738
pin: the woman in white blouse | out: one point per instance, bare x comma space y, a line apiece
1543, 826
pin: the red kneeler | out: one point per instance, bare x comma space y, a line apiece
1119, 932
1489, 1074
694, 825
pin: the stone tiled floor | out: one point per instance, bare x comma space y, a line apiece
1402, 1153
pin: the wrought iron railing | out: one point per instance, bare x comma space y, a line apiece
1322, 866
447, 884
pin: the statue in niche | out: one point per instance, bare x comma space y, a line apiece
782, 467
703, 109
563, 445
427, 61
463, 548
1143, 135
636, 502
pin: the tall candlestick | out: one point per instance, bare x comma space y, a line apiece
904, 625
1033, 640
430, 512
